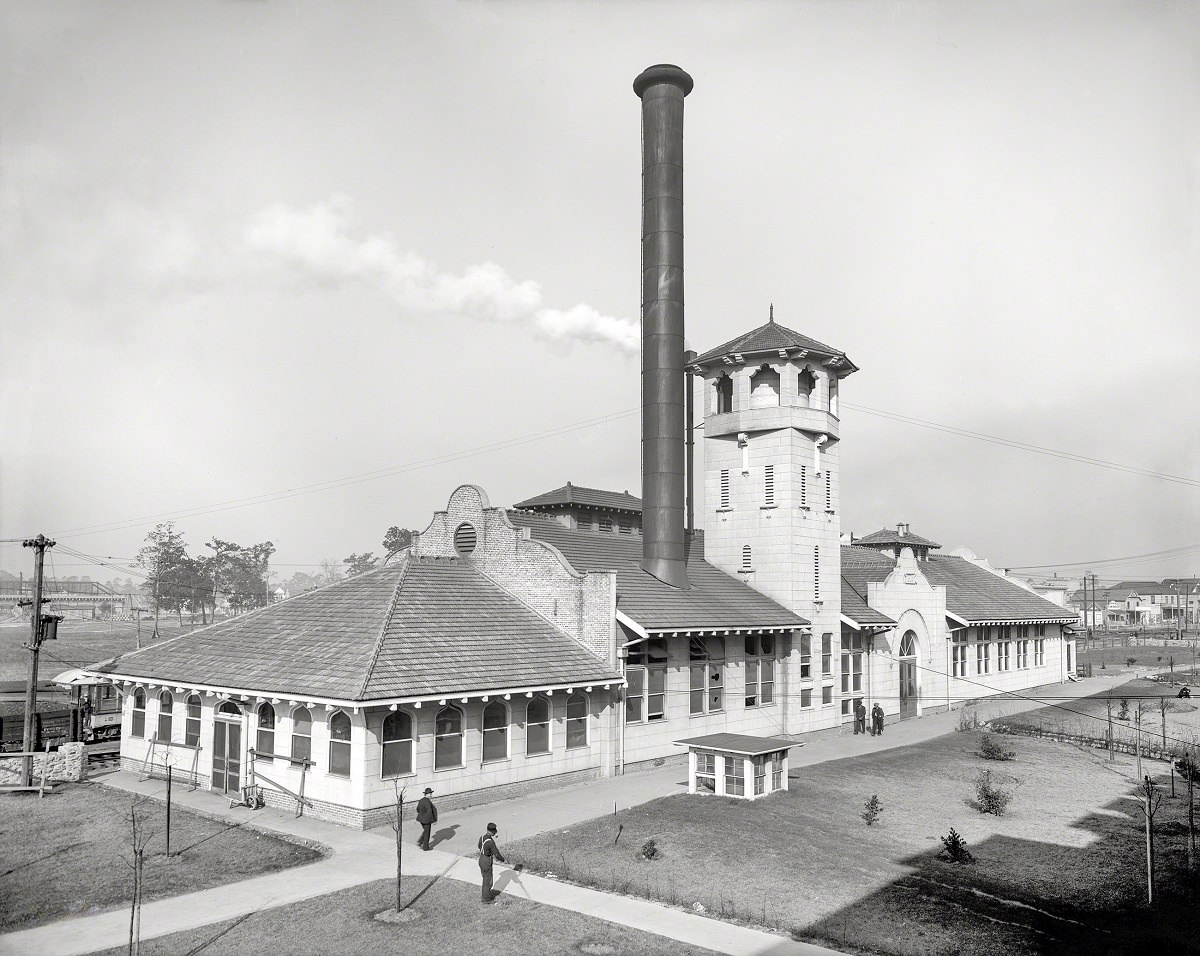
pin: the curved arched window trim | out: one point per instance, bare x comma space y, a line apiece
397, 744
806, 387
166, 715
765, 386
301, 735
496, 736
448, 746
137, 723
578, 727
264, 742
341, 732
723, 394
539, 737
191, 727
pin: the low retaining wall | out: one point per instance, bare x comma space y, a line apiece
1150, 750
66, 764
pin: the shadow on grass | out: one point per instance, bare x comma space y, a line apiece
228, 929
69, 846
225, 829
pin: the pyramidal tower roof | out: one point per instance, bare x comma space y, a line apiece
771, 337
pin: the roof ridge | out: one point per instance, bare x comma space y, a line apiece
387, 620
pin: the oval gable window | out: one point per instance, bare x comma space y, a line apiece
464, 539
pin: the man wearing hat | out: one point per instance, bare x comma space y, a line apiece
488, 851
427, 817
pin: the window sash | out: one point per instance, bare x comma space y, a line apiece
397, 758
447, 751
537, 737
577, 732
495, 744
265, 741
339, 758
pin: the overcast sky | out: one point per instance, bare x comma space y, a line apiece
251, 247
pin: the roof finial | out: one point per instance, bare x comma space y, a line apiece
772, 316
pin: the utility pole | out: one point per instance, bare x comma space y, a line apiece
138, 614
39, 544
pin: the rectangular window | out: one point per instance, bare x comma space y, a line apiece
806, 657
1003, 650
706, 773
624, 526
108, 700
806, 697
647, 674
769, 486
776, 771
960, 655
983, 659
760, 775
827, 694
137, 726
1039, 652
724, 489
707, 674
826, 654
584, 522
852, 672
735, 776
760, 670
606, 525
1040, 630
577, 721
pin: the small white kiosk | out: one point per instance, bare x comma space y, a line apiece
737, 765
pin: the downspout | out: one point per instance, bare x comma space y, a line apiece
817, 443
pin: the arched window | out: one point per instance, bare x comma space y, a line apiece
908, 645
577, 721
137, 727
724, 390
397, 744
764, 388
191, 728
301, 734
447, 738
166, 704
806, 387
229, 709
339, 744
495, 731
265, 744
537, 726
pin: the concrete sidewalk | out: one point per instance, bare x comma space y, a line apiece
356, 857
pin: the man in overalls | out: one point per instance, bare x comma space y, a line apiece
488, 851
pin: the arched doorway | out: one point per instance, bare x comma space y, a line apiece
908, 675
227, 748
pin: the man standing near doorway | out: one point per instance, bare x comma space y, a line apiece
488, 851
426, 816
860, 716
877, 720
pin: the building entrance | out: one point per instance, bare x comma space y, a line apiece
227, 748
909, 690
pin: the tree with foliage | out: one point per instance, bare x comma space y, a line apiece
169, 570
242, 574
360, 563
396, 539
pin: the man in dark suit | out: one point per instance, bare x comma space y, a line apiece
488, 851
877, 720
427, 817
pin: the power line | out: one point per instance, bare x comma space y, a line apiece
1025, 446
1173, 552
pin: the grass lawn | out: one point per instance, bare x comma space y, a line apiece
63, 855
1156, 656
1089, 715
1062, 871
452, 921
79, 643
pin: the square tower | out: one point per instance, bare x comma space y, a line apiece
771, 485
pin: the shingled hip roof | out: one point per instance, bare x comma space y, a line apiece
714, 600
570, 494
770, 337
890, 536
414, 628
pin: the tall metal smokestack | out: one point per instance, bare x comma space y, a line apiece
662, 89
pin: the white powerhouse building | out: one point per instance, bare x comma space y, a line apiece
585, 631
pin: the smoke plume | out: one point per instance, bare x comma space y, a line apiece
317, 240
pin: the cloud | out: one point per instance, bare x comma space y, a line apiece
317, 241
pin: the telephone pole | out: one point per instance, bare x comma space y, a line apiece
39, 544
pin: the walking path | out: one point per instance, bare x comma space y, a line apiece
356, 857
